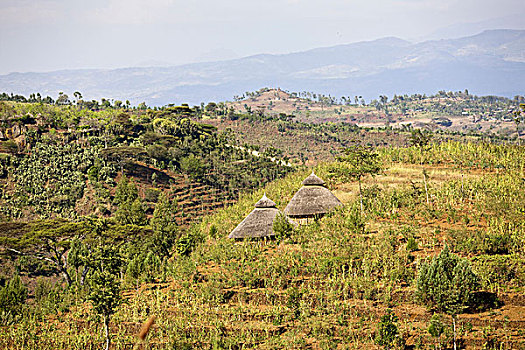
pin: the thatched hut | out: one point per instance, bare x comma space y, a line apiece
259, 223
312, 201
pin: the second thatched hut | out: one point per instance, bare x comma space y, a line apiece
312, 201
259, 223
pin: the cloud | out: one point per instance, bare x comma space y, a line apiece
26, 11
132, 11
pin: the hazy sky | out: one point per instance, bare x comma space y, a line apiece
45, 35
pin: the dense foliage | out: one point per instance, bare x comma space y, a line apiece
447, 283
63, 161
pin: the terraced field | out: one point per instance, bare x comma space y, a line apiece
328, 285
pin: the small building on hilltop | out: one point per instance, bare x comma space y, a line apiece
259, 223
312, 201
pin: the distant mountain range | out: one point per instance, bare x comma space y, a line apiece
490, 63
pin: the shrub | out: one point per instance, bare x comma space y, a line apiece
387, 331
495, 243
412, 245
282, 226
447, 283
186, 244
213, 231
495, 270
354, 220
13, 296
436, 328
93, 173
294, 300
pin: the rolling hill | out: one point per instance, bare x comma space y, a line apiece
492, 62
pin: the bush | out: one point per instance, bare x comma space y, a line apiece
213, 231
436, 328
93, 173
494, 270
282, 226
496, 243
13, 296
355, 221
447, 283
412, 245
387, 331
49, 297
186, 244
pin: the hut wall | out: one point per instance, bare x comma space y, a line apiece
306, 220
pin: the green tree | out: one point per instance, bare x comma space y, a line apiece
105, 263
131, 213
211, 108
6, 111
62, 99
447, 284
164, 225
420, 139
356, 162
126, 191
49, 241
282, 226
76, 256
384, 103
518, 119
193, 166
105, 103
130, 209
78, 96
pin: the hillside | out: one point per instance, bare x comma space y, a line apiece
466, 112
491, 62
111, 215
329, 284
310, 127
66, 161
305, 143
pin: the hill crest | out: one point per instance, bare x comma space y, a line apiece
492, 62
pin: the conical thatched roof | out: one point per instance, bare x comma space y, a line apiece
265, 202
312, 199
259, 223
313, 179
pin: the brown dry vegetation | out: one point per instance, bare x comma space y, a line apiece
327, 286
305, 142
420, 113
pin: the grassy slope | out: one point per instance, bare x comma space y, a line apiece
328, 285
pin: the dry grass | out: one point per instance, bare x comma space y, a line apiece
326, 287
